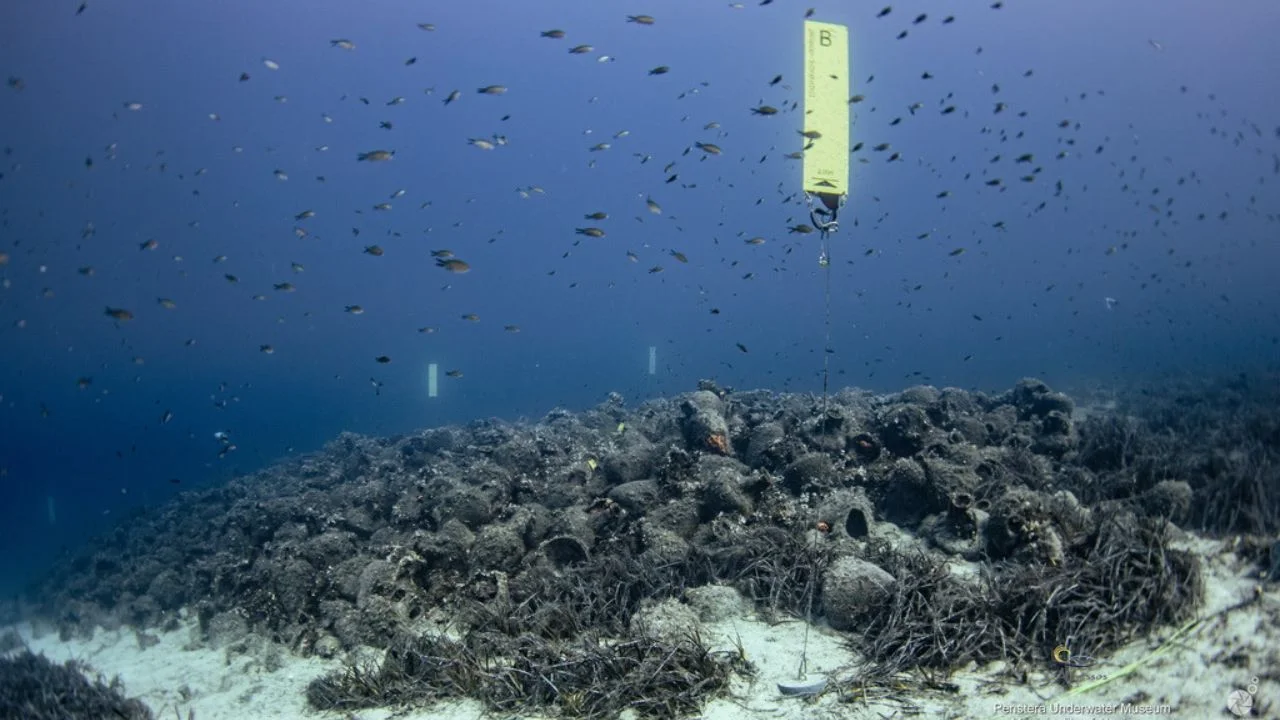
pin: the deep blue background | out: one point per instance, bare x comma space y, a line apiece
1192, 296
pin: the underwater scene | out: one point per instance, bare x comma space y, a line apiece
673, 359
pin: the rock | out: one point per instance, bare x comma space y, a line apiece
904, 429
662, 547
906, 493
919, 395
226, 628
669, 619
637, 497
999, 423
327, 646
470, 505
724, 491
703, 424
1033, 398
714, 603
1169, 499
679, 516
498, 547
634, 462
761, 443
952, 406
853, 586
972, 429
811, 472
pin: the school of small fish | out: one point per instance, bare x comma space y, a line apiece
428, 105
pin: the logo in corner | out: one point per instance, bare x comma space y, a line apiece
1062, 655
1240, 702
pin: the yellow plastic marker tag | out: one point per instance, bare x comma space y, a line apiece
826, 108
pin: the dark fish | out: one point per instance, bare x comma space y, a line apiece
453, 265
383, 359
376, 156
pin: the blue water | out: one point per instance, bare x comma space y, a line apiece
1189, 296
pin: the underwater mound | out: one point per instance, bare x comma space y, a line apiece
523, 564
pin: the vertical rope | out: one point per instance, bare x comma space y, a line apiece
826, 392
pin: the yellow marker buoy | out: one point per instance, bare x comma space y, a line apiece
826, 109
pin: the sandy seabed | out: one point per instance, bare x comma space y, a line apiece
1234, 649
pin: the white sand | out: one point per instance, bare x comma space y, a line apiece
1191, 680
